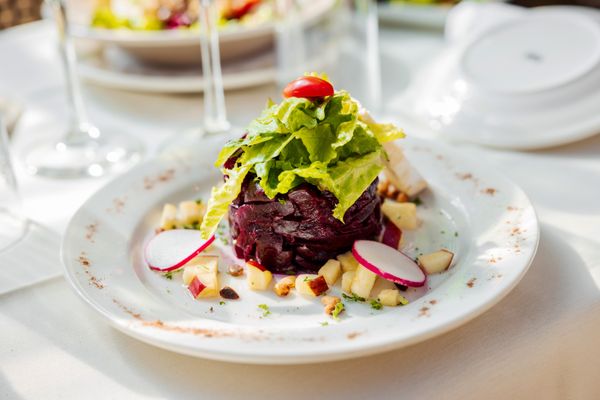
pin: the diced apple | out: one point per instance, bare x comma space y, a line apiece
311, 284
189, 213
436, 262
206, 263
391, 298
168, 219
257, 276
363, 282
403, 215
347, 278
209, 281
348, 261
331, 271
196, 287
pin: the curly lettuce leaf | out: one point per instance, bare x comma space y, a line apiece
220, 198
329, 143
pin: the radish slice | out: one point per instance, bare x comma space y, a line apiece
391, 235
170, 250
388, 263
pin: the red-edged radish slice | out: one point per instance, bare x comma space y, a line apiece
388, 263
391, 235
170, 250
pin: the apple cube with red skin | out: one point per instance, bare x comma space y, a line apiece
311, 284
201, 276
196, 287
257, 276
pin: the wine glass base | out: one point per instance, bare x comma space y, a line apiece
198, 143
91, 158
12, 229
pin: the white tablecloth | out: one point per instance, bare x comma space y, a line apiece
541, 342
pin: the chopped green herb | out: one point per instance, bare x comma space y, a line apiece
307, 279
199, 201
403, 300
339, 307
376, 305
222, 303
455, 234
265, 309
418, 201
353, 298
324, 323
169, 275
281, 201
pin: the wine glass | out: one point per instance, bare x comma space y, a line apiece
83, 150
12, 223
215, 125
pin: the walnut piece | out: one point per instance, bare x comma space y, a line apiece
284, 286
235, 270
330, 302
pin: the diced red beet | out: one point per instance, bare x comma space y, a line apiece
391, 235
297, 232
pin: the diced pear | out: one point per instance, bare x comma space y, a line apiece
257, 279
391, 298
403, 215
311, 284
363, 282
436, 262
347, 278
348, 261
189, 213
168, 219
331, 271
401, 173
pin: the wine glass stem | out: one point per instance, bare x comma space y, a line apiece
78, 116
215, 116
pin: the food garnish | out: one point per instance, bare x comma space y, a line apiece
388, 263
172, 249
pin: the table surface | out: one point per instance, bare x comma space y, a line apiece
540, 341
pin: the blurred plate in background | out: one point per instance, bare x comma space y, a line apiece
182, 46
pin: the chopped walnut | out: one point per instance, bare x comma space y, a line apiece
235, 270
389, 191
401, 197
382, 186
284, 286
330, 302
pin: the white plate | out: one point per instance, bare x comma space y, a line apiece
495, 241
512, 78
422, 15
115, 68
181, 47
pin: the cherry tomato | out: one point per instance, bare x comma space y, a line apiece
308, 87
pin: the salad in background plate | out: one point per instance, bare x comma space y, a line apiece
149, 15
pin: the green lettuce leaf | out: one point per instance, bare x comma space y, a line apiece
327, 143
220, 198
